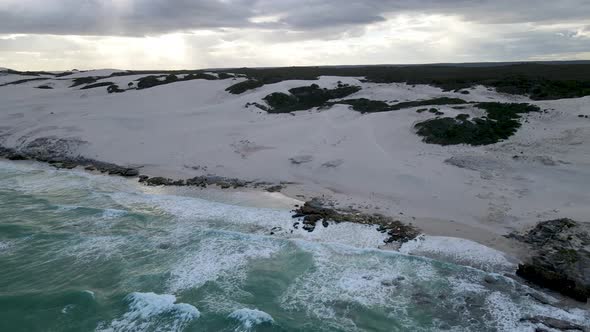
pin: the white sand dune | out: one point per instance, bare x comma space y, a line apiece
375, 161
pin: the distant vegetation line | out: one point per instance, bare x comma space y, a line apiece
538, 80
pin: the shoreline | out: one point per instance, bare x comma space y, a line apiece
512, 252
359, 164
281, 195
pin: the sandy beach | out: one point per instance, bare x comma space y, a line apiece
369, 162
458, 202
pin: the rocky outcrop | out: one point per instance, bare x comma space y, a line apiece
561, 259
316, 210
57, 153
554, 323
199, 181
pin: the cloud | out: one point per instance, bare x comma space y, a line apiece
150, 34
148, 17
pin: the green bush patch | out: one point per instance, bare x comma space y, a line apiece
539, 81
113, 88
306, 97
364, 105
152, 80
429, 102
502, 121
96, 85
242, 87
83, 80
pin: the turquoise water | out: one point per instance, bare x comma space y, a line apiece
81, 252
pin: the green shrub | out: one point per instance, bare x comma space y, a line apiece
224, 76
429, 102
83, 80
501, 123
540, 81
242, 87
306, 97
364, 105
96, 85
113, 88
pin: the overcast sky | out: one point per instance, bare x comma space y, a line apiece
174, 34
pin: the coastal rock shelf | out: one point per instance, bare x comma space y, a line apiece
316, 210
561, 257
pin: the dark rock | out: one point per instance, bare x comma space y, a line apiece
274, 189
16, 156
490, 279
63, 164
130, 172
159, 181
316, 209
553, 323
164, 246
561, 259
308, 227
90, 168
143, 178
312, 219
539, 298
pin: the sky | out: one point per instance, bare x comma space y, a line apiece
190, 34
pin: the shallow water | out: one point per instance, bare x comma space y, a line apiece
82, 252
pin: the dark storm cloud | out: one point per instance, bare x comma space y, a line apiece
141, 17
119, 17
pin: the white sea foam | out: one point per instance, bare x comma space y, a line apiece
153, 312
4, 246
249, 318
505, 313
251, 219
67, 308
351, 276
222, 256
459, 251
92, 248
89, 292
113, 214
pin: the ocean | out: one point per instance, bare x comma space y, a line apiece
84, 252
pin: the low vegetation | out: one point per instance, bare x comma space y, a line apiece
96, 85
83, 80
364, 105
306, 97
501, 122
113, 88
25, 81
539, 81
242, 87
429, 102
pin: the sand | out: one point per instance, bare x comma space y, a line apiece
372, 162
